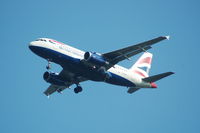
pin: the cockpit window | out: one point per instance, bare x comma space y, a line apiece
41, 40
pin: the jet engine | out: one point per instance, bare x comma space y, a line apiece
104, 74
53, 78
95, 59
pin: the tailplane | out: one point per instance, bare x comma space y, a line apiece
155, 78
151, 81
141, 69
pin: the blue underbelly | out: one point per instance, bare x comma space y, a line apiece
74, 65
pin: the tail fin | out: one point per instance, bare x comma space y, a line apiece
142, 65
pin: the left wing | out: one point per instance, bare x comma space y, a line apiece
70, 78
118, 55
53, 88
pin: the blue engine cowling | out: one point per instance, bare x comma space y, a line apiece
53, 78
104, 74
95, 59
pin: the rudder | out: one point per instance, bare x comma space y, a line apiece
143, 65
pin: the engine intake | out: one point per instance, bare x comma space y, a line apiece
53, 78
95, 59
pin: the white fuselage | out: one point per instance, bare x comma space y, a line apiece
79, 54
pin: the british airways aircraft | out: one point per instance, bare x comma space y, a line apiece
79, 66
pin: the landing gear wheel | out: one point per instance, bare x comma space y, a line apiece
75, 90
78, 89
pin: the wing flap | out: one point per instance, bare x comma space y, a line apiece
126, 56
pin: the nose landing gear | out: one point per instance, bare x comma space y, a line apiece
48, 67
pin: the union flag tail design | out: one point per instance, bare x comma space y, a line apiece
142, 65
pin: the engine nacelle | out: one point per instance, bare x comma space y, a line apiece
105, 74
53, 78
95, 59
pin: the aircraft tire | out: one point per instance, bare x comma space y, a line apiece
77, 89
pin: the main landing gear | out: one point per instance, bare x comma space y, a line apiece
78, 89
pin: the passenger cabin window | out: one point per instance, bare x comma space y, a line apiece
41, 40
52, 42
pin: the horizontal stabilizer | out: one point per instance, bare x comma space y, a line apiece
132, 90
157, 77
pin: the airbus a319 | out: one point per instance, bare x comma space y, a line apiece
79, 66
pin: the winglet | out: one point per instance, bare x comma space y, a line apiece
167, 37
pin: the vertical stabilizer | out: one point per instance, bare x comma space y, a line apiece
142, 65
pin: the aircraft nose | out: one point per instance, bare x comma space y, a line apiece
32, 46
32, 43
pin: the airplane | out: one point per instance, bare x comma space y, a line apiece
79, 66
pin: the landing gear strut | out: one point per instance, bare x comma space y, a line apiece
78, 89
48, 65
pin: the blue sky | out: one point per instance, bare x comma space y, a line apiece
100, 26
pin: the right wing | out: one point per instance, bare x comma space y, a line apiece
70, 78
118, 55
